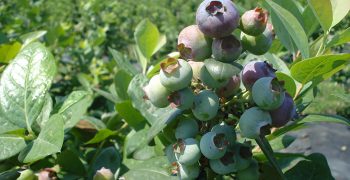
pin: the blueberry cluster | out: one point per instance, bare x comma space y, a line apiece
206, 79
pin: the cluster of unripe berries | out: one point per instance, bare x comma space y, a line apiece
205, 77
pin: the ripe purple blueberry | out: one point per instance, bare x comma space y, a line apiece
253, 22
282, 115
217, 18
255, 70
193, 44
226, 49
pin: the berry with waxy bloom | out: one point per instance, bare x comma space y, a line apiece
255, 70
226, 49
253, 22
175, 74
283, 114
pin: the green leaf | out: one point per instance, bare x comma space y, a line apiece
23, 87
31, 37
10, 174
277, 63
49, 141
310, 25
325, 118
147, 38
10, 146
319, 68
131, 115
292, 7
292, 26
156, 168
45, 113
144, 153
340, 38
74, 107
314, 167
323, 12
135, 140
70, 162
109, 158
9, 51
121, 82
101, 135
282, 142
122, 62
281, 131
289, 83
340, 9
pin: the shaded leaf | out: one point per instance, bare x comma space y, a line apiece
49, 141
135, 140
101, 135
109, 158
277, 63
23, 87
319, 68
315, 167
155, 168
10, 146
144, 153
131, 115
70, 162
310, 25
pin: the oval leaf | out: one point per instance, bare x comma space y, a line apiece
49, 141
319, 68
293, 27
340, 10
10, 146
323, 11
147, 37
23, 87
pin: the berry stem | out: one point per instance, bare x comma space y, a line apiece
268, 151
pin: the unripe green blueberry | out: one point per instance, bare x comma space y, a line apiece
182, 99
267, 93
228, 131
196, 68
217, 18
260, 44
253, 22
175, 74
209, 81
252, 120
250, 173
224, 165
217, 74
186, 128
230, 88
193, 44
283, 114
170, 154
242, 155
189, 172
206, 105
187, 151
226, 49
255, 70
26, 175
156, 92
103, 174
213, 145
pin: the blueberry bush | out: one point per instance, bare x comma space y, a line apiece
94, 90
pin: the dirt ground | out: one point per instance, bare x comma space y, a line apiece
330, 139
